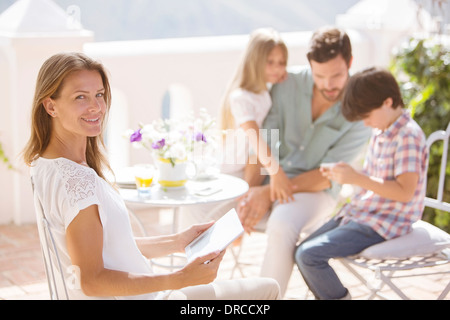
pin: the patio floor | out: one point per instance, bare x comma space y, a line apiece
22, 273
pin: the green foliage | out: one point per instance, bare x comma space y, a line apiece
422, 67
4, 159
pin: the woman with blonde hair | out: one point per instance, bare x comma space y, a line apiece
86, 214
243, 109
247, 102
48, 88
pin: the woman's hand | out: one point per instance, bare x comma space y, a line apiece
202, 270
187, 236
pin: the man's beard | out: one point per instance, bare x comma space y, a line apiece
335, 98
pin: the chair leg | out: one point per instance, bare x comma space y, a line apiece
237, 263
445, 292
353, 271
387, 280
374, 291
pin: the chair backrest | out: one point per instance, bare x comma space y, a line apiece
53, 268
439, 203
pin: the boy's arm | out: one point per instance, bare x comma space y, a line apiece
401, 189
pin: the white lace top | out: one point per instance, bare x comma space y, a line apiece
64, 188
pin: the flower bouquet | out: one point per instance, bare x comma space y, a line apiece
175, 142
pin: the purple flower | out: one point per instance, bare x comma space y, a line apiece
200, 137
159, 144
136, 136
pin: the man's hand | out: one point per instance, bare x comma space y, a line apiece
253, 206
281, 188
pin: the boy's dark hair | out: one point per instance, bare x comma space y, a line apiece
367, 90
327, 43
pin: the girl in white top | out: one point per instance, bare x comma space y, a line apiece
86, 213
248, 101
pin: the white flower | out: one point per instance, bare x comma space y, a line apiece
175, 138
177, 151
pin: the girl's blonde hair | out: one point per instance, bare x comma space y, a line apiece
250, 74
49, 84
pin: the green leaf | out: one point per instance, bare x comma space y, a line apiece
421, 97
422, 68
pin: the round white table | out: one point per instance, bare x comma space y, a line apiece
195, 192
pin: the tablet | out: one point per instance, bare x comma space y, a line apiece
223, 232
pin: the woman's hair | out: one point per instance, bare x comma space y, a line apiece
327, 43
49, 84
250, 74
367, 90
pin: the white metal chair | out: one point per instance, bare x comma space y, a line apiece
425, 247
55, 276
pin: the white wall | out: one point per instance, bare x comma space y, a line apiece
20, 61
143, 71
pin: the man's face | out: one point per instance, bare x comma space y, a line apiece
330, 77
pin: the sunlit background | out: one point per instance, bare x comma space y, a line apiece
151, 19
166, 57
113, 20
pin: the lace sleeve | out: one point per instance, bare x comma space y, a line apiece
79, 182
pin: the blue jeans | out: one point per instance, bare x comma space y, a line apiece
331, 241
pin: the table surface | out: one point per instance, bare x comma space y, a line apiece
223, 187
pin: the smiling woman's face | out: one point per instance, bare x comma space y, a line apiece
80, 107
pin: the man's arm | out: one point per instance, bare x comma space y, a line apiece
310, 181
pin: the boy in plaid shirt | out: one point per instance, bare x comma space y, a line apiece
391, 187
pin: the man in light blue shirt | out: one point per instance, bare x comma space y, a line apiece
307, 140
306, 109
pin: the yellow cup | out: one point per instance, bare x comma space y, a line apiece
143, 174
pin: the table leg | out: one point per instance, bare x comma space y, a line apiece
175, 222
171, 265
176, 217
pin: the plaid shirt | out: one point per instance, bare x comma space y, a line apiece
399, 149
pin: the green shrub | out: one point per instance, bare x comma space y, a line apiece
422, 67
4, 159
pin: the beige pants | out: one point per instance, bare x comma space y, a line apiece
237, 289
286, 224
